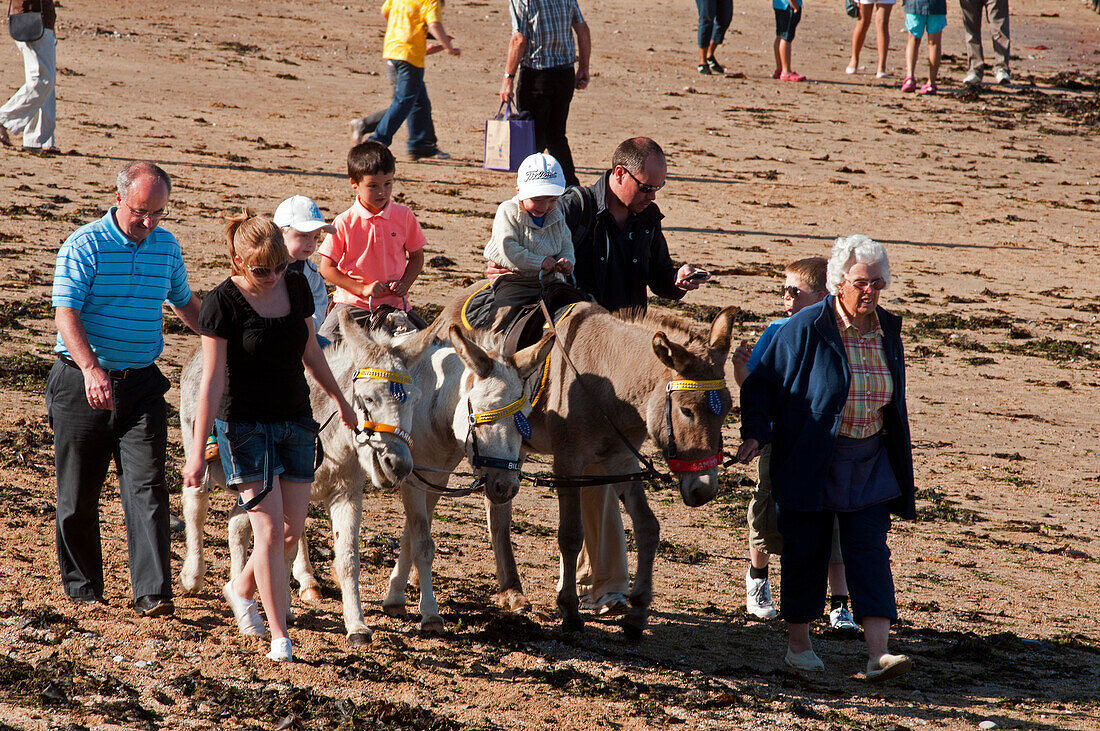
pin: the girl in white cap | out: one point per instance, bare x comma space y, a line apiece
303, 230
530, 236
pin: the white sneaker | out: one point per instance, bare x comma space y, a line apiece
758, 597
249, 621
973, 77
840, 618
807, 662
280, 650
1001, 76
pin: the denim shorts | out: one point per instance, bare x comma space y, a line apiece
255, 451
917, 24
786, 21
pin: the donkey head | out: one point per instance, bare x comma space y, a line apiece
685, 419
383, 396
492, 411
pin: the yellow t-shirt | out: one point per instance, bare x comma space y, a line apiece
407, 29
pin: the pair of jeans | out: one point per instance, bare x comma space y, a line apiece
546, 94
714, 19
32, 110
410, 102
135, 435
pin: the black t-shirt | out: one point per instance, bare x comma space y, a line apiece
265, 379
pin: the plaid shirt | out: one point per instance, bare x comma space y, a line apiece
872, 386
548, 27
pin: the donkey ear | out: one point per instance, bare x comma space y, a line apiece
672, 355
411, 349
470, 352
352, 333
720, 331
530, 358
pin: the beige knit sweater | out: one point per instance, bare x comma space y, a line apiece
518, 244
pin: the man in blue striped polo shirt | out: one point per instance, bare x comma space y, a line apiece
105, 394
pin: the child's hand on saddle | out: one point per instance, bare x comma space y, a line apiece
399, 288
548, 264
564, 266
374, 289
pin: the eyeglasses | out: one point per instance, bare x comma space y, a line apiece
865, 284
262, 272
146, 215
644, 187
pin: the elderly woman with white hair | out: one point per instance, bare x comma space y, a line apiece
829, 396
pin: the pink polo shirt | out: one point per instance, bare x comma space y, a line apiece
372, 247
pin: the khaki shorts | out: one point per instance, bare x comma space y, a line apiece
764, 533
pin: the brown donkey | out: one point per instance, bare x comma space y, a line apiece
626, 368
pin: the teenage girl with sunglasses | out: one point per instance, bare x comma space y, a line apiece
258, 340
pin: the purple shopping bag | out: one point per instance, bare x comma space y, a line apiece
509, 138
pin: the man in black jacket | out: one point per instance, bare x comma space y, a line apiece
620, 252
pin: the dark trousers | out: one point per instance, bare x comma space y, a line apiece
410, 102
135, 436
714, 19
807, 537
546, 95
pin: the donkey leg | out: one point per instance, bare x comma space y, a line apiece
510, 597
394, 602
240, 535
570, 537
423, 551
309, 589
196, 506
647, 534
346, 510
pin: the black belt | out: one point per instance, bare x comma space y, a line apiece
114, 375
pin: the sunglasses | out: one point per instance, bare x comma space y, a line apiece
262, 272
644, 187
794, 292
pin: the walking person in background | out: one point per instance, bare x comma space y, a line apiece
714, 19
540, 60
997, 13
879, 11
405, 48
788, 13
258, 341
32, 110
921, 16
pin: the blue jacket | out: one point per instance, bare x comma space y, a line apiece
795, 397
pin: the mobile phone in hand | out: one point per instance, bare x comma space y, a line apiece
697, 276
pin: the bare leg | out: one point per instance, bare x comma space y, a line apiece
882, 34
785, 54
859, 33
876, 631
798, 638
934, 50
912, 49
265, 570
778, 57
838, 582
758, 558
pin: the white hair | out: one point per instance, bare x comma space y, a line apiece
852, 250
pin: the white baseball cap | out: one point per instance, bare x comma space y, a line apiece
540, 174
301, 214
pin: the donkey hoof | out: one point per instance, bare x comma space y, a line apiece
572, 625
431, 627
632, 632
397, 611
310, 595
513, 601
360, 639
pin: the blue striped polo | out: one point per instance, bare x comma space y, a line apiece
119, 287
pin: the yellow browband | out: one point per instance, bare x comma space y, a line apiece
388, 429
487, 417
695, 385
382, 375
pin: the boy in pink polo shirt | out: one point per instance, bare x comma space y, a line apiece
378, 248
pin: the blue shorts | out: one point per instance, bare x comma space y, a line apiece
917, 24
254, 451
